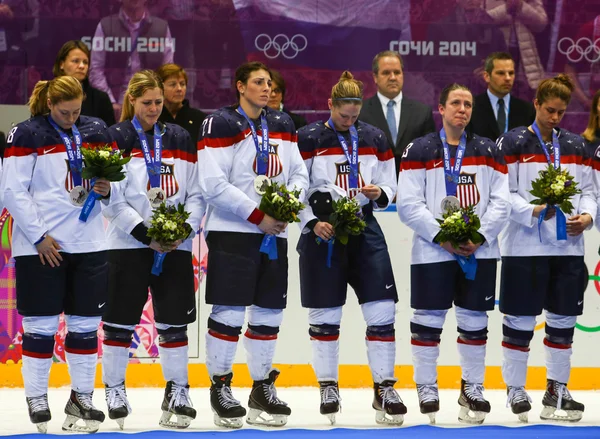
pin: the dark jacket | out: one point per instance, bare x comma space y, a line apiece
484, 123
188, 118
97, 104
299, 121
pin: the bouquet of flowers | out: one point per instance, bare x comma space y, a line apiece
458, 226
554, 187
100, 162
167, 225
346, 219
282, 204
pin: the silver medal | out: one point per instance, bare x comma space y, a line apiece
450, 203
78, 195
156, 196
260, 184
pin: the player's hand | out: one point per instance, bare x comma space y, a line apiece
578, 223
271, 226
48, 250
448, 247
371, 191
467, 249
102, 187
163, 248
550, 213
324, 230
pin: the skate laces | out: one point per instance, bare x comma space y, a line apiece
330, 394
271, 393
38, 403
116, 397
180, 396
226, 398
561, 392
474, 391
389, 396
427, 393
85, 399
517, 395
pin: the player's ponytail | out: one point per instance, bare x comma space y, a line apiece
347, 90
561, 86
63, 88
140, 82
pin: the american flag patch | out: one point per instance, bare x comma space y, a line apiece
274, 166
168, 182
467, 191
342, 178
69, 184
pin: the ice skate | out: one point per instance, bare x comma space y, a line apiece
80, 407
39, 412
177, 403
264, 401
519, 402
228, 410
558, 398
117, 403
429, 400
389, 408
473, 406
330, 399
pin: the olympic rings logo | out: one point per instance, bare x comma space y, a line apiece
281, 45
580, 49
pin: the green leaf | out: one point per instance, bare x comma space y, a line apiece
342, 239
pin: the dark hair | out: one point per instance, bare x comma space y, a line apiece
496, 56
64, 52
347, 90
278, 79
561, 86
375, 64
62, 89
167, 70
450, 88
243, 73
593, 123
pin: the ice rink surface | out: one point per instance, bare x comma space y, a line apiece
357, 415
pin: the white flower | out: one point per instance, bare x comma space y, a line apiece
276, 198
170, 225
104, 154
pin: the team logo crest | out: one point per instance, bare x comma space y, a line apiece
342, 178
69, 185
274, 166
168, 182
466, 190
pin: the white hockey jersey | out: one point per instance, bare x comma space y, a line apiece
129, 204
227, 162
525, 159
329, 169
35, 187
483, 183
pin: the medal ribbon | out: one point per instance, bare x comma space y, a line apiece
152, 162
352, 157
73, 152
262, 157
561, 219
450, 173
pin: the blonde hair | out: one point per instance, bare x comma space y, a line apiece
561, 86
63, 88
593, 123
139, 84
347, 90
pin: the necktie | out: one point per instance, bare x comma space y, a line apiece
391, 120
501, 116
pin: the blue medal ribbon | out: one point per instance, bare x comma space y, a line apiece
561, 219
262, 151
330, 244
468, 264
158, 263
269, 242
76, 166
352, 156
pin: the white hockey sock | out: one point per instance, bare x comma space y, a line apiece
325, 359
382, 357
514, 366
36, 372
472, 362
425, 363
558, 363
220, 353
114, 364
174, 362
260, 350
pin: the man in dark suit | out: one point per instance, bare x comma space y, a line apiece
401, 119
496, 111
